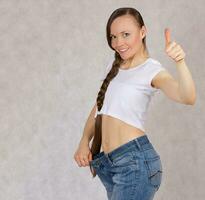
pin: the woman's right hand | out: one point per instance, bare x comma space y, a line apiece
83, 155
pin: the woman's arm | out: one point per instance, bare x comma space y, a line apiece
89, 128
187, 89
182, 90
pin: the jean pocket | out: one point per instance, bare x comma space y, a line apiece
126, 161
154, 169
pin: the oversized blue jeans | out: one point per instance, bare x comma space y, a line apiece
133, 171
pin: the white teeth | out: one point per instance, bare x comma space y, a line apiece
123, 50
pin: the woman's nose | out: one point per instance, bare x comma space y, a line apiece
119, 42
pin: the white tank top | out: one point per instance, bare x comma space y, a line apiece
129, 93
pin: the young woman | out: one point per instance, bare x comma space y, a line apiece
129, 166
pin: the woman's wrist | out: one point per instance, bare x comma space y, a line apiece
180, 62
85, 140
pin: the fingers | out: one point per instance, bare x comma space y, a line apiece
82, 160
171, 46
175, 51
167, 36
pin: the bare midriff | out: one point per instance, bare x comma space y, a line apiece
116, 132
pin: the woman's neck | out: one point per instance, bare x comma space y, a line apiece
136, 60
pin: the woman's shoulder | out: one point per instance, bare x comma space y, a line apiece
153, 67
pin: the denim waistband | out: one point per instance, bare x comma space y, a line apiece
136, 144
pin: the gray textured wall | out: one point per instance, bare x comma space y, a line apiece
52, 56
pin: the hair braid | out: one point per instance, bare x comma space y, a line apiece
96, 144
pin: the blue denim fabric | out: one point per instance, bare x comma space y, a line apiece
133, 171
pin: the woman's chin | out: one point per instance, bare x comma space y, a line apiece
125, 57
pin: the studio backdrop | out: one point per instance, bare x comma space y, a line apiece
53, 55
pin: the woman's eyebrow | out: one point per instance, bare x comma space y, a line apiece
120, 32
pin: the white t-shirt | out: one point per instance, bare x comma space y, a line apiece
129, 93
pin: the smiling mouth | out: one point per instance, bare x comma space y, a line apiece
123, 51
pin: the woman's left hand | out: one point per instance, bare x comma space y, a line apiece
173, 49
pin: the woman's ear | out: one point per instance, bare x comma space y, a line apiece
143, 31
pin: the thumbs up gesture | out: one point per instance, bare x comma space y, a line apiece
173, 49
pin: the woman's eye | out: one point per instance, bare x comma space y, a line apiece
126, 34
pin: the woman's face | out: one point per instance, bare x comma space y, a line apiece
126, 37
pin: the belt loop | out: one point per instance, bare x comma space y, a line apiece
108, 158
138, 144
